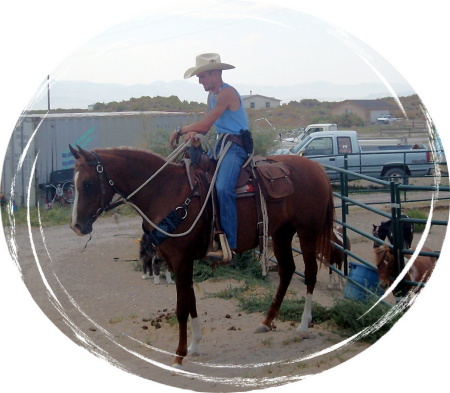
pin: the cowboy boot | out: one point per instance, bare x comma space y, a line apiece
223, 254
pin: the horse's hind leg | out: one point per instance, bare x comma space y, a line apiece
195, 325
282, 248
309, 257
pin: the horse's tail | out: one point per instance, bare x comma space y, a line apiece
324, 242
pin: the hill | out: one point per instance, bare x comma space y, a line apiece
287, 116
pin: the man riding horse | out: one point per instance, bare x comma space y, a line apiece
227, 113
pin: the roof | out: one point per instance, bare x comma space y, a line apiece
102, 114
370, 104
246, 97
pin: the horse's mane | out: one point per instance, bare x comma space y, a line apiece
380, 253
133, 152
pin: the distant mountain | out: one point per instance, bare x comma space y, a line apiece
71, 95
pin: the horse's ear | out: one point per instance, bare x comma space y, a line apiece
84, 153
74, 152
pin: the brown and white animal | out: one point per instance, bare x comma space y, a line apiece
337, 257
152, 262
420, 271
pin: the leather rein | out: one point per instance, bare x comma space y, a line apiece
180, 211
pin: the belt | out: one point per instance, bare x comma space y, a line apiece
236, 139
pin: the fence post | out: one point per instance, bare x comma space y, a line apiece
344, 212
397, 233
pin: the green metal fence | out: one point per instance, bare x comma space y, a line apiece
396, 195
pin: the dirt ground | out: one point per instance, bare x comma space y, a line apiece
97, 298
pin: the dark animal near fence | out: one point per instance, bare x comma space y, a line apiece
384, 230
388, 271
308, 211
152, 263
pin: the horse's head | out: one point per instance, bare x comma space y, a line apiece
92, 192
375, 234
382, 232
385, 262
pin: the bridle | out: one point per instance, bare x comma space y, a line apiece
102, 176
181, 211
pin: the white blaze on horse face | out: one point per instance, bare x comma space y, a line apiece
75, 206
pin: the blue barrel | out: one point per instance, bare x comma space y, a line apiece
364, 276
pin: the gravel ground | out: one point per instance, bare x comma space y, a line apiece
98, 300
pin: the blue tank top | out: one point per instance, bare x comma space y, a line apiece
230, 122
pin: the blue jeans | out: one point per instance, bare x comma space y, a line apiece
227, 178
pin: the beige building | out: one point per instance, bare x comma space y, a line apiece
257, 101
368, 110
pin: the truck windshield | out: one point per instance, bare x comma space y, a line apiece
319, 147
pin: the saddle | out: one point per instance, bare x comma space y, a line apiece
270, 177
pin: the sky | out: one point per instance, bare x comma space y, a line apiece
37, 37
268, 44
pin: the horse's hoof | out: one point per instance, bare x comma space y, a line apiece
303, 334
262, 329
177, 366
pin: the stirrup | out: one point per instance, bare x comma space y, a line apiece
223, 255
225, 248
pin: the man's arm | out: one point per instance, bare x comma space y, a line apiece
225, 99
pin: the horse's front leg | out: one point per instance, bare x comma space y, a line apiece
183, 285
195, 325
186, 305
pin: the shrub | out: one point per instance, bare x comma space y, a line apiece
244, 267
350, 316
420, 214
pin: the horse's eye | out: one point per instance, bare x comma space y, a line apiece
87, 185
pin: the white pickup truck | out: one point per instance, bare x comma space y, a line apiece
298, 135
388, 119
395, 163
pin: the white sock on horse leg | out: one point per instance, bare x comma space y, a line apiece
306, 317
169, 277
196, 337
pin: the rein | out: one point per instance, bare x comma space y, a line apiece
126, 199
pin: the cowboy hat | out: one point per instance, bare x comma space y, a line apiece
206, 62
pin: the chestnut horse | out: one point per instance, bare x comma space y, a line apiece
309, 212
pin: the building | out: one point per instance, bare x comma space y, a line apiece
257, 101
368, 110
39, 144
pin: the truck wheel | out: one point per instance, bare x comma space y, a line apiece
397, 175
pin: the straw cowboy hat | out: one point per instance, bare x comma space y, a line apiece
206, 62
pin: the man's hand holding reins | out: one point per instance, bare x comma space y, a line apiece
175, 138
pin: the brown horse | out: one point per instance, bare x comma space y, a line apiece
309, 212
420, 271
